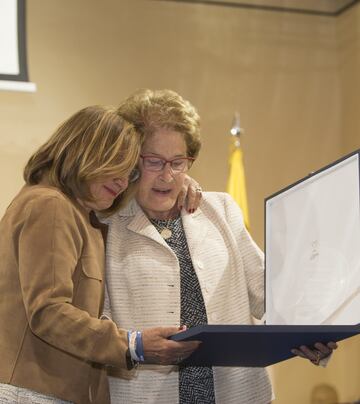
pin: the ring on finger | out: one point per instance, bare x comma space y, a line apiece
198, 189
316, 361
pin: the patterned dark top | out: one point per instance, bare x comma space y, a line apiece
196, 384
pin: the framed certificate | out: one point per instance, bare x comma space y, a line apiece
312, 248
312, 273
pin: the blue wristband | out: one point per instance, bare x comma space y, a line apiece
139, 346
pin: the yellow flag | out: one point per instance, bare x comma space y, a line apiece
236, 186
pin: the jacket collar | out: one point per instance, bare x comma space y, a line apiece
139, 223
194, 227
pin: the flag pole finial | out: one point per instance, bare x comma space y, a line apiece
236, 130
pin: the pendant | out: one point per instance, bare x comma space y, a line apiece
165, 233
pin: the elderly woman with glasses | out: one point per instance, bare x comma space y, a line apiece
169, 266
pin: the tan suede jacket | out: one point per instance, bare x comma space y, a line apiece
51, 295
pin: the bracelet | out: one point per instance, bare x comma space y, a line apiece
132, 345
136, 347
130, 364
139, 348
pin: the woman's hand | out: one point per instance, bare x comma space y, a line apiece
320, 352
158, 349
190, 195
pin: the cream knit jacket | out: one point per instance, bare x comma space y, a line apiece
143, 282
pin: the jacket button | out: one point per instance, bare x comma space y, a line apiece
200, 265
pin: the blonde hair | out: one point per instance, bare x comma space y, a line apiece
94, 143
151, 110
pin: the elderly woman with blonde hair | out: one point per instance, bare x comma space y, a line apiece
52, 342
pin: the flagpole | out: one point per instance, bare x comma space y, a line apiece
236, 186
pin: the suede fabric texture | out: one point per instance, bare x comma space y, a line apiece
52, 288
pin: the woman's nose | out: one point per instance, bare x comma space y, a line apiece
122, 182
167, 173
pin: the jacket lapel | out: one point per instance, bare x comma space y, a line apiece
194, 225
140, 224
195, 229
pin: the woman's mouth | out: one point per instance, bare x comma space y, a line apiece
162, 191
111, 191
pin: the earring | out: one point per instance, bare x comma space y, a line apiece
134, 175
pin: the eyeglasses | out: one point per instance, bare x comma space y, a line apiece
178, 165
